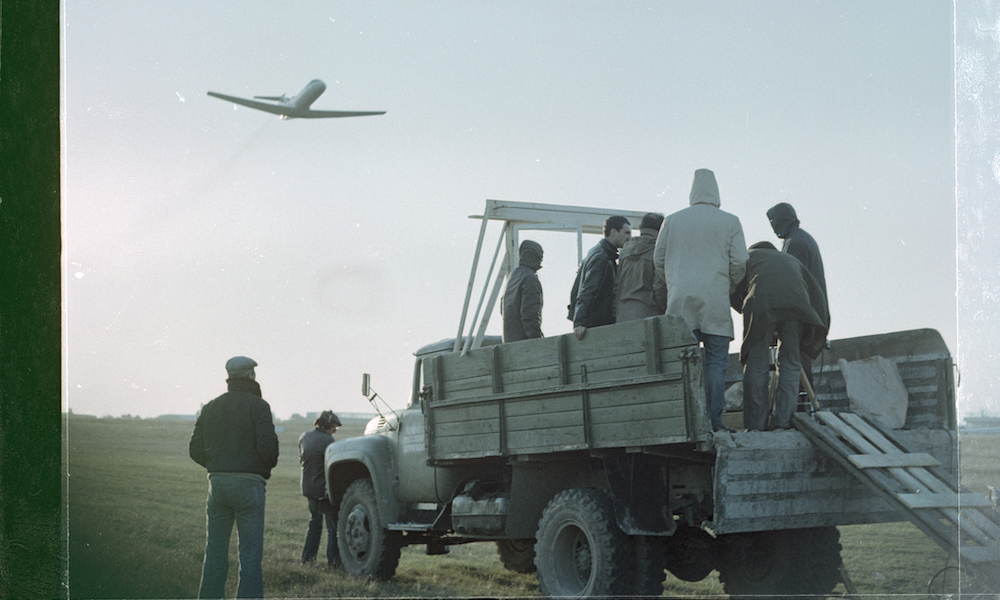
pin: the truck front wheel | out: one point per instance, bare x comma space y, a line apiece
367, 549
517, 555
580, 549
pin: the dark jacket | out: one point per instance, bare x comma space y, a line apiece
235, 433
592, 301
798, 242
640, 292
312, 452
778, 287
522, 300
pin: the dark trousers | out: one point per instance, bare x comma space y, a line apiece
315, 531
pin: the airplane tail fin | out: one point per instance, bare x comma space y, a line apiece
281, 98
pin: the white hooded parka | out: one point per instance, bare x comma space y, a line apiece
701, 254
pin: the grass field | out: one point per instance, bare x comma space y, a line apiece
136, 507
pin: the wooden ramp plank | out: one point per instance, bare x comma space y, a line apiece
928, 501
944, 500
878, 461
980, 554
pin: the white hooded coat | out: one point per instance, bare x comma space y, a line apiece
702, 255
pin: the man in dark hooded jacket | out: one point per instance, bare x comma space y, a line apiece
522, 300
802, 246
778, 295
592, 300
234, 440
640, 291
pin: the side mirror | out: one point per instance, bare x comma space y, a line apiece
365, 384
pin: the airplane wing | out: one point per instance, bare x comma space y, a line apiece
264, 106
322, 114
293, 113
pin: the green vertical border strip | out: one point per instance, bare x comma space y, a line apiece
32, 540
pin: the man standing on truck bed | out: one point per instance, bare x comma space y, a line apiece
234, 439
777, 295
592, 300
640, 292
802, 246
522, 299
701, 254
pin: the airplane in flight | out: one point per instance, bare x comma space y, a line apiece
296, 107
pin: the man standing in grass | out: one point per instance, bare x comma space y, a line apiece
312, 452
234, 439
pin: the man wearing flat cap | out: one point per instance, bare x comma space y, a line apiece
234, 440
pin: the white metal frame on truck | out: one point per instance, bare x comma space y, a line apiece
528, 216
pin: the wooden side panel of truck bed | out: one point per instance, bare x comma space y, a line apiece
628, 385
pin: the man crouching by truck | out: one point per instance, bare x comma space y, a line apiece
777, 296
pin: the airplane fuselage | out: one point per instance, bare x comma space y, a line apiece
304, 99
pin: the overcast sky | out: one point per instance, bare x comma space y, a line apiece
195, 231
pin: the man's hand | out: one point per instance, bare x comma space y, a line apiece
580, 331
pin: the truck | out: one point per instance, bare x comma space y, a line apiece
592, 463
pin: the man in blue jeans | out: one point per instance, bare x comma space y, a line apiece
234, 440
701, 254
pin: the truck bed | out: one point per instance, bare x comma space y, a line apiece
632, 384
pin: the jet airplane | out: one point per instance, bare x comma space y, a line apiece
296, 107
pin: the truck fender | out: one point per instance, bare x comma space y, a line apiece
358, 458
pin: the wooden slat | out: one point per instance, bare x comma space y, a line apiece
876, 461
980, 554
652, 346
943, 500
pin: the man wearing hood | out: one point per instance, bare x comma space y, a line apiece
522, 300
778, 295
640, 292
701, 254
234, 440
592, 299
802, 246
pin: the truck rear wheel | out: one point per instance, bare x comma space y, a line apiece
367, 549
690, 554
580, 549
789, 561
517, 555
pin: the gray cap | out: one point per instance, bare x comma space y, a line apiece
240, 366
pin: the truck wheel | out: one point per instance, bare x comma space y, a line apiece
790, 561
367, 549
824, 560
690, 554
517, 555
758, 563
580, 549
648, 554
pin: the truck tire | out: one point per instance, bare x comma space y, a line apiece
824, 561
783, 562
517, 555
580, 549
690, 554
650, 563
367, 549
